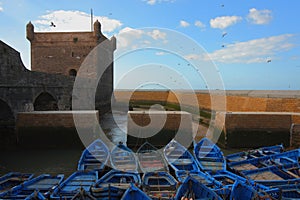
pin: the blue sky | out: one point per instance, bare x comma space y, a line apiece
240, 37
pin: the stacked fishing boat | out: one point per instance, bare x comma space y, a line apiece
211, 159
187, 171
173, 173
39, 187
94, 157
274, 170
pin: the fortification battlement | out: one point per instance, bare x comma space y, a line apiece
64, 52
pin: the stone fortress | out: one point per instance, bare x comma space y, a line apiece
55, 62
56, 58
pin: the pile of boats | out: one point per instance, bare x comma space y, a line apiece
174, 173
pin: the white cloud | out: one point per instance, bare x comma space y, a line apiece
224, 21
138, 38
183, 23
1, 8
253, 51
127, 35
200, 24
157, 34
74, 21
161, 53
192, 57
259, 16
153, 2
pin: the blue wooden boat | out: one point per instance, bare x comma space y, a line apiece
83, 195
290, 191
244, 190
113, 184
287, 160
159, 185
134, 193
94, 157
36, 196
179, 158
229, 180
13, 179
200, 176
209, 156
271, 176
255, 153
122, 158
151, 159
78, 181
44, 184
241, 190
193, 189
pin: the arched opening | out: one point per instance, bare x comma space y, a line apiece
72, 72
6, 115
44, 102
7, 125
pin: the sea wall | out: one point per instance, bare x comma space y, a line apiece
252, 118
158, 127
55, 128
236, 101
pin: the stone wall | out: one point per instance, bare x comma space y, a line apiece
246, 129
236, 101
262, 118
295, 135
20, 87
52, 129
55, 119
159, 127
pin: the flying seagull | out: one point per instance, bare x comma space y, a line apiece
224, 34
52, 24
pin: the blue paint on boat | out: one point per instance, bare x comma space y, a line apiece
134, 193
179, 158
151, 159
260, 152
94, 157
114, 183
13, 179
191, 188
122, 158
159, 185
44, 184
36, 196
202, 177
80, 180
209, 156
285, 160
241, 190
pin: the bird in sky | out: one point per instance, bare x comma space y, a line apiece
224, 34
52, 24
222, 5
269, 60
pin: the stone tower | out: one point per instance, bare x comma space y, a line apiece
63, 53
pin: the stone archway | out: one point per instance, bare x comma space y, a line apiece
72, 72
6, 115
7, 125
44, 102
